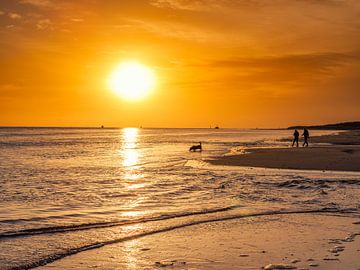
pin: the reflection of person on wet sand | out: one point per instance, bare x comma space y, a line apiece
306, 137
296, 138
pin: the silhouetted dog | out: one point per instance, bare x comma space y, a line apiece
196, 147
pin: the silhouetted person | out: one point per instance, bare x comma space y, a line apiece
296, 138
306, 137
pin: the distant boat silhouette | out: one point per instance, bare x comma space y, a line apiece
217, 127
102, 126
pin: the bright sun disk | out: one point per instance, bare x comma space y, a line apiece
132, 80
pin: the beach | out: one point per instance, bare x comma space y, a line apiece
138, 199
326, 158
343, 155
294, 241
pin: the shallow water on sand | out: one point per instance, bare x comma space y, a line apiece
66, 190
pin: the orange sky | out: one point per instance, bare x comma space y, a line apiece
244, 63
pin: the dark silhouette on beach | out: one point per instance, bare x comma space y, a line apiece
296, 138
338, 126
196, 147
306, 137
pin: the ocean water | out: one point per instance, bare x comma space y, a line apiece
67, 190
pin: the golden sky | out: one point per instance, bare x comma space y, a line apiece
233, 63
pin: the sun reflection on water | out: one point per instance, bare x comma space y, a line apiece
130, 154
133, 177
129, 150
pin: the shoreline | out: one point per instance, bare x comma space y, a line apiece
341, 154
296, 241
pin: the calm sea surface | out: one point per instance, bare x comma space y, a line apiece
67, 190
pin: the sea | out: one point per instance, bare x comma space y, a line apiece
68, 190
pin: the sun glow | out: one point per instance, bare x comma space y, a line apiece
132, 80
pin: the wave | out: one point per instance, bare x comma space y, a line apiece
69, 252
108, 224
306, 183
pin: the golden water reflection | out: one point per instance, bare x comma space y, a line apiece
131, 155
129, 150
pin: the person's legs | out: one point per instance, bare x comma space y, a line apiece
296, 140
306, 142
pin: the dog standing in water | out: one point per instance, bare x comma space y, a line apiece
196, 147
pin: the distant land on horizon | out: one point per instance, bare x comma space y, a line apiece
337, 126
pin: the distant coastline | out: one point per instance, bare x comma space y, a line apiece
337, 126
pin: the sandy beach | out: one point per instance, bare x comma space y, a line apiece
294, 241
343, 155
333, 158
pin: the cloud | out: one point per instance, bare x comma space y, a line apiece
297, 69
14, 15
217, 5
77, 20
44, 24
179, 4
2, 12
7, 90
324, 2
38, 3
203, 5
320, 61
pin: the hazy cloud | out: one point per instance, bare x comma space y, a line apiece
44, 24
14, 15
203, 5
38, 3
319, 61
7, 90
294, 69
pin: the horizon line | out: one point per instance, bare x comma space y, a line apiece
114, 127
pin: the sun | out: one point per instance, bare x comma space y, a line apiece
132, 80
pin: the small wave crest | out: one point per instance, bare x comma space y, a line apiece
98, 225
307, 183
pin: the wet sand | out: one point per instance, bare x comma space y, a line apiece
332, 158
343, 155
295, 241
